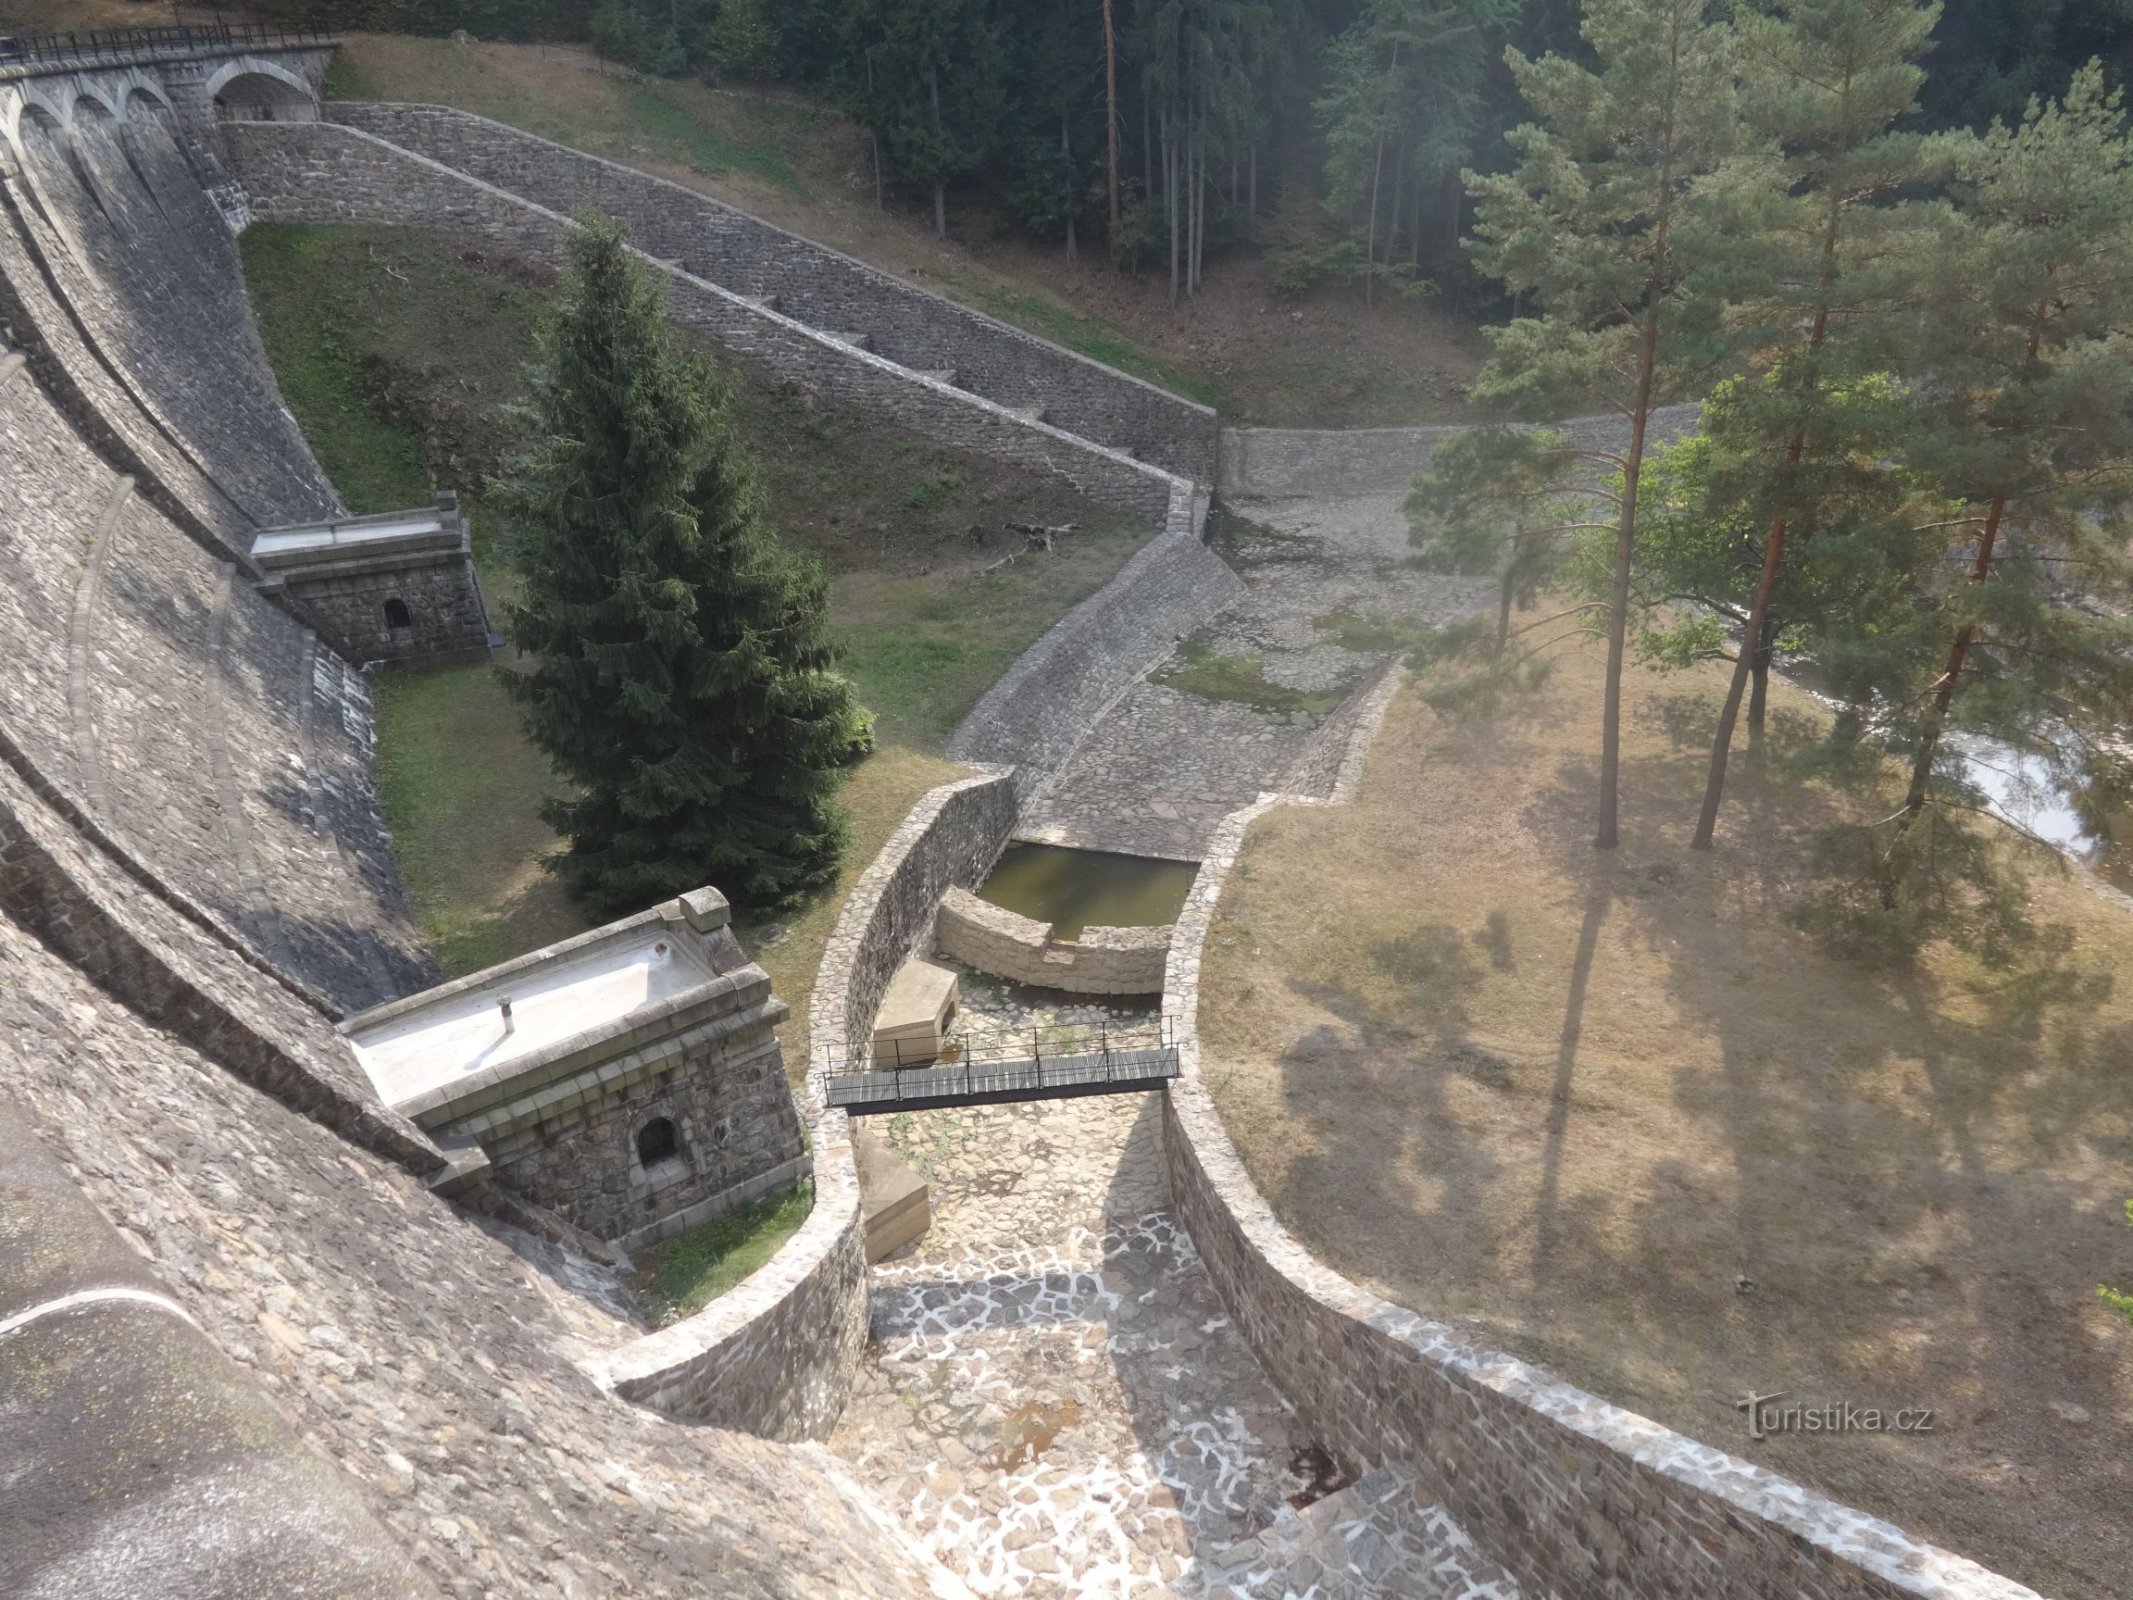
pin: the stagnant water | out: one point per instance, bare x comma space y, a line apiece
1076, 889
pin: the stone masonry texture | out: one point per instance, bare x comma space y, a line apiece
1101, 961
819, 286
324, 172
1574, 1495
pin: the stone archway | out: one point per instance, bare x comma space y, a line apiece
252, 89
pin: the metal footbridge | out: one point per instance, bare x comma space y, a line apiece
992, 1067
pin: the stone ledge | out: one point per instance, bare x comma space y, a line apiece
1007, 945
1573, 1494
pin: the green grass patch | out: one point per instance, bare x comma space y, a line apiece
684, 1274
1369, 633
1065, 326
375, 462
657, 114
461, 788
1197, 669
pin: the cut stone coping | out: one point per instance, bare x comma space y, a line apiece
1836, 1549
439, 527
638, 982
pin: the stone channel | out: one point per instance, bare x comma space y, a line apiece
1330, 594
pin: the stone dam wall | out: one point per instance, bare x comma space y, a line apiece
1575, 1496
816, 285
206, 730
325, 172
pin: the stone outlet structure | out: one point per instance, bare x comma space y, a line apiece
626, 1080
302, 1284
396, 587
1009, 945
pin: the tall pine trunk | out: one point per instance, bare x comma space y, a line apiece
1111, 118
1759, 677
940, 190
1751, 637
1625, 552
1170, 201
1066, 160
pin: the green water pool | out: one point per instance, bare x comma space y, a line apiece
1076, 889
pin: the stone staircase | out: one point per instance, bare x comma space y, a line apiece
1377, 1539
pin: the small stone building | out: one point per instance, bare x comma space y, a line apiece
629, 1080
397, 587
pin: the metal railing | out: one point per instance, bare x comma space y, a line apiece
94, 46
1001, 1063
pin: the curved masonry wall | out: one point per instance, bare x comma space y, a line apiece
1008, 945
1574, 1495
326, 172
1278, 462
819, 286
1047, 701
776, 1355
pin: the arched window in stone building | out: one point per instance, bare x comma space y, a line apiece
657, 1141
397, 615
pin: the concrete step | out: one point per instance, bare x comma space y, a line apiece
1377, 1539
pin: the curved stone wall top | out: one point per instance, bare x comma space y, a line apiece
1575, 1495
1274, 463
775, 1356
817, 285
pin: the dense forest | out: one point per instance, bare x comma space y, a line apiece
1330, 132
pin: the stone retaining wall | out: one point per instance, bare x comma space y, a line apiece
775, 1356
1043, 706
819, 286
326, 172
1277, 462
1575, 1496
999, 941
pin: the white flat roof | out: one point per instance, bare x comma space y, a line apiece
596, 988
332, 535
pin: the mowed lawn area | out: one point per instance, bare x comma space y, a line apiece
403, 355
1611, 1112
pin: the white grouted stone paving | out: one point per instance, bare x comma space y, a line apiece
1161, 769
1053, 1397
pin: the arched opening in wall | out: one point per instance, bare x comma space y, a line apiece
259, 97
397, 616
658, 1141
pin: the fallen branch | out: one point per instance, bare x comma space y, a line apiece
1040, 535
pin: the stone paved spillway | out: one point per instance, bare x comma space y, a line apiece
1057, 1403
1163, 766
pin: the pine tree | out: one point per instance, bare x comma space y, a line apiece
1606, 219
1497, 501
1825, 82
2031, 413
681, 679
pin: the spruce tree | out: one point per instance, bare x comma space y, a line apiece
681, 674
1606, 219
2030, 409
1825, 80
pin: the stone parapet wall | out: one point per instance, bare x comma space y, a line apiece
817, 285
1273, 463
1044, 705
1574, 1495
326, 172
1008, 945
775, 1355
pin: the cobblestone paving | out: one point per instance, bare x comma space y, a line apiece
1163, 766
1378, 1537
1054, 1399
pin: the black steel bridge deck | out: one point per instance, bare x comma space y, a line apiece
998, 1069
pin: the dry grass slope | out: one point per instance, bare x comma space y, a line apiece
1613, 1113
